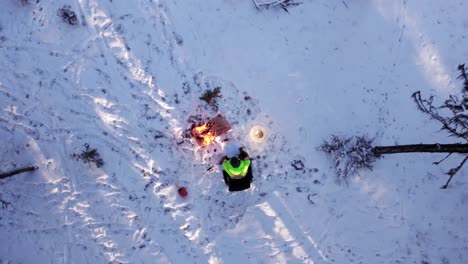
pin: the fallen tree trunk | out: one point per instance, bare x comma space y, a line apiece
18, 171
431, 148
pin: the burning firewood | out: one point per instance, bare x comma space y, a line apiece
206, 133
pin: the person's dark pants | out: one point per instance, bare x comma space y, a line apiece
239, 184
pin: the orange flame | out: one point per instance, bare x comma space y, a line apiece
206, 133
203, 135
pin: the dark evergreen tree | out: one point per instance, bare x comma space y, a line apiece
89, 155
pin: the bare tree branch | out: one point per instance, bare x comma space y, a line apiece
440, 161
454, 171
14, 172
463, 76
450, 125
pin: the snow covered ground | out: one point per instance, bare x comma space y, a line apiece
127, 81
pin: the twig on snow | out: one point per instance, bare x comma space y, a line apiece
284, 4
4, 203
346, 5
309, 197
440, 161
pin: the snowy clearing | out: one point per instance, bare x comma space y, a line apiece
125, 78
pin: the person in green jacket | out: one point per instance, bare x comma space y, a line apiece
237, 171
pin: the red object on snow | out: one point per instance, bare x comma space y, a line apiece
182, 191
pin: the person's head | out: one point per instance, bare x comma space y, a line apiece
235, 162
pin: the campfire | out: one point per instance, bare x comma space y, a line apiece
206, 133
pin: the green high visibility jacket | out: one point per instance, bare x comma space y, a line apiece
238, 172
